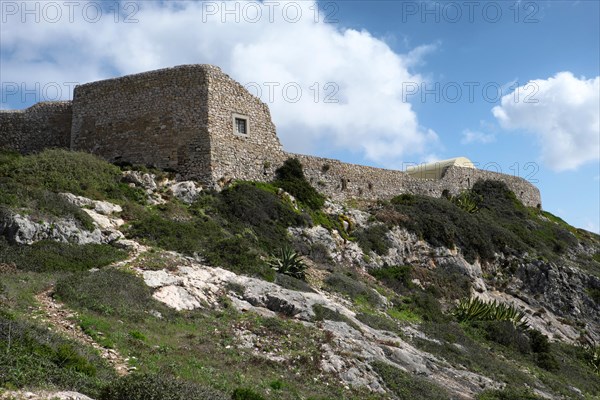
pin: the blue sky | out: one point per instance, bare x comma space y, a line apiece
371, 82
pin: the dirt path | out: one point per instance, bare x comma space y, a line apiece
61, 320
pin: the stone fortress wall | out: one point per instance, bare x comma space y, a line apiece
341, 181
155, 118
182, 119
38, 127
235, 156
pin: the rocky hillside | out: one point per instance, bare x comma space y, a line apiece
123, 283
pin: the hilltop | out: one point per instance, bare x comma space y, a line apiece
127, 282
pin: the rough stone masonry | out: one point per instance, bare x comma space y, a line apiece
196, 120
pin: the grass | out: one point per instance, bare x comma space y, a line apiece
38, 203
473, 353
158, 387
64, 171
47, 256
110, 292
200, 348
406, 386
31, 355
504, 354
194, 353
31, 184
412, 303
353, 288
323, 313
233, 229
508, 394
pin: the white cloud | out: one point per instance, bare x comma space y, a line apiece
361, 71
469, 136
563, 112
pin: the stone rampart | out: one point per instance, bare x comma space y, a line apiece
343, 181
157, 118
41, 126
186, 119
249, 156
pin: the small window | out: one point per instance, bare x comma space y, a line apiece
240, 125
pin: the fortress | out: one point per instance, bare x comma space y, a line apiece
196, 120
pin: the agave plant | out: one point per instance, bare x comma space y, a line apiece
475, 309
288, 262
468, 201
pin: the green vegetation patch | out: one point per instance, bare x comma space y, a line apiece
246, 205
236, 229
290, 177
65, 171
158, 387
406, 386
493, 221
353, 288
509, 393
109, 292
47, 256
38, 202
33, 356
374, 238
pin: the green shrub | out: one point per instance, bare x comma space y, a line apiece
396, 277
506, 334
65, 171
594, 294
157, 387
182, 236
500, 224
246, 205
323, 313
245, 394
425, 305
508, 394
377, 321
67, 356
408, 387
547, 361
353, 288
109, 292
539, 341
236, 254
40, 202
374, 238
48, 256
292, 283
288, 262
290, 177
230, 230
33, 356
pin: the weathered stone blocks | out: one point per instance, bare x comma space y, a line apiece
182, 119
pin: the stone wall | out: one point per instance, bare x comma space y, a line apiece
233, 156
343, 181
157, 118
41, 126
182, 119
